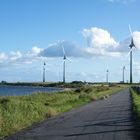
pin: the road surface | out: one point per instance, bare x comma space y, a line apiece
109, 119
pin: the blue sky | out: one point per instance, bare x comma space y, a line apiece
95, 34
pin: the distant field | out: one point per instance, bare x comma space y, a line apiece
17, 113
73, 84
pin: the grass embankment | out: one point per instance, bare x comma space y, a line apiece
136, 109
19, 112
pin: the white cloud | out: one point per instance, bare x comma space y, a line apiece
124, 45
136, 36
71, 50
3, 57
100, 42
16, 58
13, 56
98, 38
35, 51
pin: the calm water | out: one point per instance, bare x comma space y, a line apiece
22, 90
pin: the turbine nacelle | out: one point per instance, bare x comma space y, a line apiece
132, 44
132, 40
64, 58
124, 67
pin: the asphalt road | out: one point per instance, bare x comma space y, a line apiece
109, 119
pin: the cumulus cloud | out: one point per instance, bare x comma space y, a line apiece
3, 57
99, 38
124, 45
15, 58
136, 37
71, 50
99, 43
35, 51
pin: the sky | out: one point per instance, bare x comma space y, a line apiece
94, 34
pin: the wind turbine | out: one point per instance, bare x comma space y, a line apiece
107, 75
44, 64
64, 61
123, 73
132, 45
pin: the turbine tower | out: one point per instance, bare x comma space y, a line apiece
107, 75
44, 71
64, 65
123, 74
132, 45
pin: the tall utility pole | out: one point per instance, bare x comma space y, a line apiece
123, 74
44, 71
107, 75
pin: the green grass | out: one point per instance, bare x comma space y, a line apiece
19, 112
136, 106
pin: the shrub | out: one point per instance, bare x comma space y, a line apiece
102, 98
88, 89
85, 89
102, 88
51, 112
93, 98
106, 96
78, 90
47, 104
112, 85
4, 101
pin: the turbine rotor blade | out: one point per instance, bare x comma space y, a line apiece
130, 31
69, 59
64, 53
129, 52
61, 45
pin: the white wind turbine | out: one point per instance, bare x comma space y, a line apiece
64, 61
132, 45
44, 71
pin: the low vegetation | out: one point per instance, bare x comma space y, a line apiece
18, 112
136, 108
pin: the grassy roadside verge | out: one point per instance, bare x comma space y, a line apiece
136, 110
19, 112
